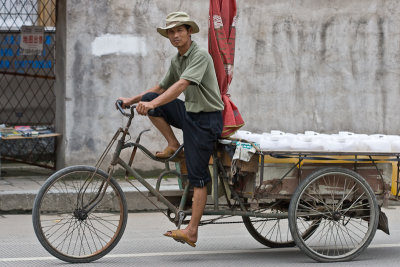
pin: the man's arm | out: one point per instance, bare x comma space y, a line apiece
135, 99
169, 95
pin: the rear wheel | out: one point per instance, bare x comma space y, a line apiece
61, 219
275, 233
346, 207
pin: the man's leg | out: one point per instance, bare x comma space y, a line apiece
198, 205
168, 114
166, 130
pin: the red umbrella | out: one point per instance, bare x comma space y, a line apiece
221, 46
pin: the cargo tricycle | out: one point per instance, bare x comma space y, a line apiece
327, 204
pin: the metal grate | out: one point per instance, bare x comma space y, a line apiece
27, 78
35, 151
26, 81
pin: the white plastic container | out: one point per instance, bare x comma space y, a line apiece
277, 133
395, 144
255, 138
344, 133
241, 135
342, 142
310, 141
359, 142
377, 143
274, 141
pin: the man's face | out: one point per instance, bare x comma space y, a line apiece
179, 36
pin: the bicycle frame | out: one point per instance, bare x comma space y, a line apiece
215, 211
179, 212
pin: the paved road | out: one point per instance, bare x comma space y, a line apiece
219, 245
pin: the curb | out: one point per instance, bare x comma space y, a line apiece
11, 203
18, 190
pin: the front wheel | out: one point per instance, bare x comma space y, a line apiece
346, 207
66, 227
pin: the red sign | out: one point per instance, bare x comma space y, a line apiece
32, 40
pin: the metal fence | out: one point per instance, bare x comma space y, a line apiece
26, 81
27, 61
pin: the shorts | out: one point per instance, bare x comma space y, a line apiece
200, 133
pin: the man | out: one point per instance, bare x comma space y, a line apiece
200, 117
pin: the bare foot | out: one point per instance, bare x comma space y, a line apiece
191, 234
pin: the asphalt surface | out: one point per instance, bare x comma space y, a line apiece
219, 245
144, 245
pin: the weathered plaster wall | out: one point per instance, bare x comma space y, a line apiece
319, 65
300, 65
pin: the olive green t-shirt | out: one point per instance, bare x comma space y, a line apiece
196, 66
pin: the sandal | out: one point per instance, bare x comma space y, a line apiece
180, 236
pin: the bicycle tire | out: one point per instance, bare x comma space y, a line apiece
274, 233
62, 227
347, 208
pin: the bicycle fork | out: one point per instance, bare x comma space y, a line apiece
82, 210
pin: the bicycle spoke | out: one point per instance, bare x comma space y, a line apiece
67, 230
343, 203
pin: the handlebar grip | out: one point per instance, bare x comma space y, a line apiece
120, 102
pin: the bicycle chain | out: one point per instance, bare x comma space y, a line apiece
233, 222
206, 223
202, 223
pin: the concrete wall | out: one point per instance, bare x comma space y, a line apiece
319, 65
300, 65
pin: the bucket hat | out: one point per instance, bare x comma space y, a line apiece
175, 19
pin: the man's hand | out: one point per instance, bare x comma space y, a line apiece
125, 102
143, 107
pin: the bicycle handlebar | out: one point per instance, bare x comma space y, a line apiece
119, 103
